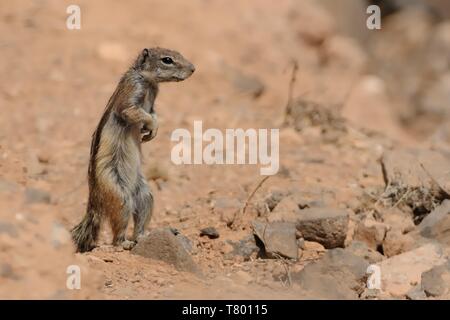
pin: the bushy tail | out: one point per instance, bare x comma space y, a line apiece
85, 234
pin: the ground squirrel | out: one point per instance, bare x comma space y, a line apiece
117, 188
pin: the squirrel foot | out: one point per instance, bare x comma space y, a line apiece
128, 245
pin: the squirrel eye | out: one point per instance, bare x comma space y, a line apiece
167, 60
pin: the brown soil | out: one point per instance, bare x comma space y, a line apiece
56, 82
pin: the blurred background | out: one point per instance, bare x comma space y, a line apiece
355, 93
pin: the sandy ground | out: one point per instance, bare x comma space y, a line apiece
56, 82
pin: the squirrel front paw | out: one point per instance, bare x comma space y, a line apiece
148, 134
149, 130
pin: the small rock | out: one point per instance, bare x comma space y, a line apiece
37, 196
396, 243
327, 226
370, 231
245, 248
361, 249
43, 157
399, 274
397, 219
108, 283
416, 293
185, 241
436, 282
275, 197
210, 232
8, 228
286, 210
313, 246
278, 238
436, 225
162, 244
339, 274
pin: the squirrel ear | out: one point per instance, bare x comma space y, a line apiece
143, 56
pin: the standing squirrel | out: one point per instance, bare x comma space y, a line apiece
117, 187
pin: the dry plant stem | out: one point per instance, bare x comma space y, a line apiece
286, 266
253, 193
407, 192
244, 208
291, 89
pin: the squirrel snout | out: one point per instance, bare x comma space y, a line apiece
191, 68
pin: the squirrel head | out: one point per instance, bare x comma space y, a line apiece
163, 65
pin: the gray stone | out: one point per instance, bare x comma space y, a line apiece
185, 242
397, 219
274, 198
327, 226
279, 238
162, 244
37, 196
395, 243
400, 273
436, 225
436, 281
416, 293
210, 232
361, 249
370, 231
286, 209
245, 248
339, 274
8, 228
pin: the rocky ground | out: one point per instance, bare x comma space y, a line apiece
364, 181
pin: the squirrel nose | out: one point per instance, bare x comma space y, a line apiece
192, 68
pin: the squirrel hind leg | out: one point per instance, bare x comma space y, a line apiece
143, 209
119, 217
119, 224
